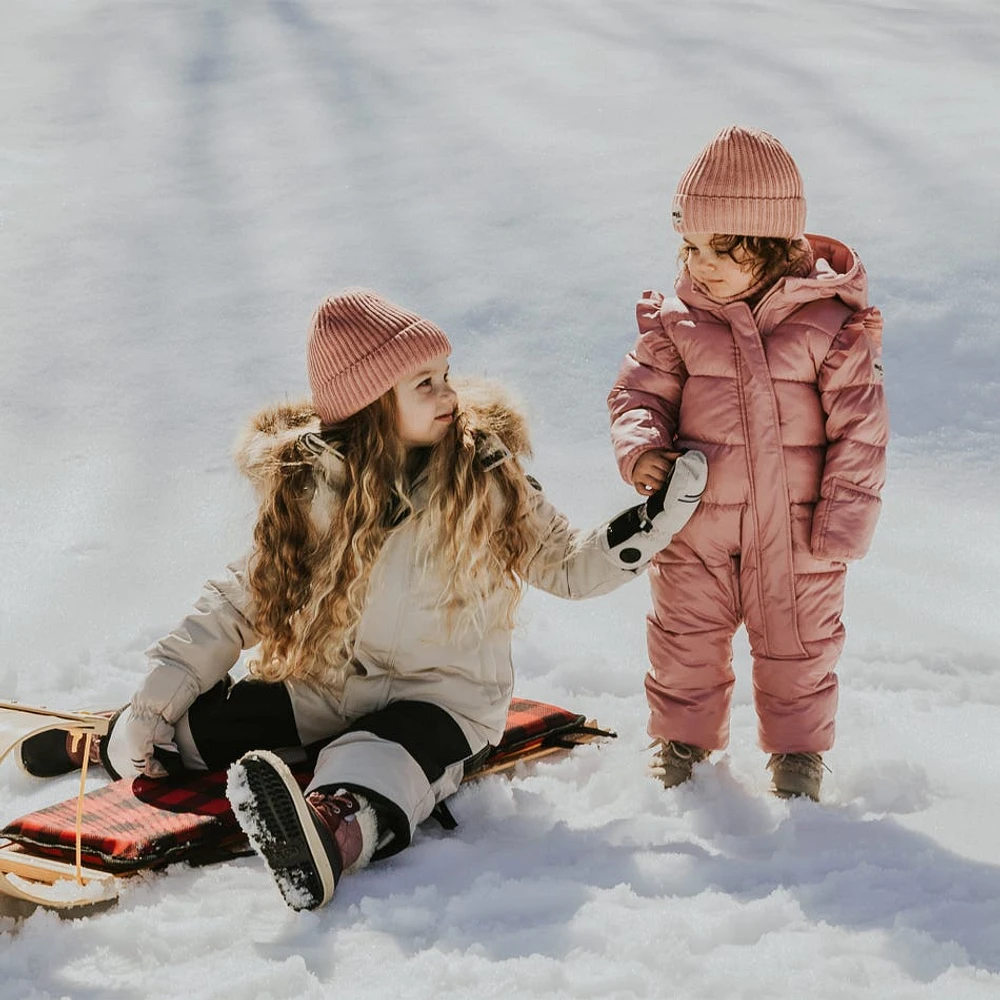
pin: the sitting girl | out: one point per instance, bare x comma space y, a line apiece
395, 533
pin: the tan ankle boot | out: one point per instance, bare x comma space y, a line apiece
673, 763
796, 774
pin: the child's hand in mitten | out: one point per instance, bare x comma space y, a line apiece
638, 533
143, 734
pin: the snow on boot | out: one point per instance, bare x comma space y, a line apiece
307, 841
58, 751
673, 763
796, 774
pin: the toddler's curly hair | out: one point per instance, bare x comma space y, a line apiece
767, 258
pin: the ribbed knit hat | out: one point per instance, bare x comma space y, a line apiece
360, 346
743, 183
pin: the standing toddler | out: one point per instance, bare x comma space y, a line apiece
768, 361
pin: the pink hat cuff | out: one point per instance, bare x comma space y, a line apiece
734, 216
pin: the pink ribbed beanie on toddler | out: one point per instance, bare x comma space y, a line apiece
743, 183
360, 346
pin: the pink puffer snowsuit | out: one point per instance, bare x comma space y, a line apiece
787, 403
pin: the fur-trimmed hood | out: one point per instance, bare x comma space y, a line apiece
493, 414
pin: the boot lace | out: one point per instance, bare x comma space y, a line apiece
333, 807
805, 762
686, 752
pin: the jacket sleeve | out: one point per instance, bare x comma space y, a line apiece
645, 400
200, 651
575, 564
857, 430
571, 563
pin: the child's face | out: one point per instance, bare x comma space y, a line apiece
425, 404
723, 276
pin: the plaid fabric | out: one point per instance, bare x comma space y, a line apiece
128, 825
146, 823
529, 720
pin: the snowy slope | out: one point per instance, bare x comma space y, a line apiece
181, 183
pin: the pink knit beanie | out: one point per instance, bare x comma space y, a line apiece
743, 183
360, 346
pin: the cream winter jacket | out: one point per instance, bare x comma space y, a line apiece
403, 650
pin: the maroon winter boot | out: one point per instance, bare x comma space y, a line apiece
307, 841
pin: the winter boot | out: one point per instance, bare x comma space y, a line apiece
307, 841
57, 751
796, 774
673, 762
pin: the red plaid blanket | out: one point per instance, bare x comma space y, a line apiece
145, 823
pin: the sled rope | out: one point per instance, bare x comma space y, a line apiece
79, 807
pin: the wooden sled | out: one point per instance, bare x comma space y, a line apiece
38, 880
72, 856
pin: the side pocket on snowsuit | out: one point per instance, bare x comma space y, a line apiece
844, 523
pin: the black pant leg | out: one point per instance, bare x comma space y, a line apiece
427, 732
232, 718
424, 732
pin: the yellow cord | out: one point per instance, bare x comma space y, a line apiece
79, 807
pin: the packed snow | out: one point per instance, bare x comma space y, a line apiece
182, 182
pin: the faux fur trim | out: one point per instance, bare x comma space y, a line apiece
494, 411
268, 431
488, 404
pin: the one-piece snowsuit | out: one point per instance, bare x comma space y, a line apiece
786, 401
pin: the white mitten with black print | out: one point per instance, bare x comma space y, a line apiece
635, 535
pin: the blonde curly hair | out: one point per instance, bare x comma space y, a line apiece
316, 541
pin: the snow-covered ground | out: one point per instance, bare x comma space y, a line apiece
182, 182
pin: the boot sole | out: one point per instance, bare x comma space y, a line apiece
273, 813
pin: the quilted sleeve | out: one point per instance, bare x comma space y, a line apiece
200, 651
645, 399
575, 564
857, 430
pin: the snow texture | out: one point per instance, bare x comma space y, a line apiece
182, 182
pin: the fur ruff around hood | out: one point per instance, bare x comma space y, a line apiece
493, 415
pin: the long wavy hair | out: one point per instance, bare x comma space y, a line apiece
316, 540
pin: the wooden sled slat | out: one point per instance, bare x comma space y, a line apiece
17, 723
51, 883
501, 762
